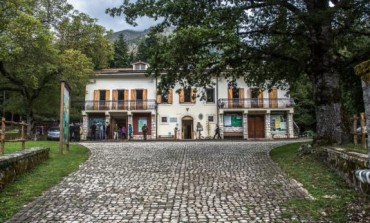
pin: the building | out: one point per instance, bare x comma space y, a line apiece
126, 96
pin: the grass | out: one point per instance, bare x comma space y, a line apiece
332, 194
30, 185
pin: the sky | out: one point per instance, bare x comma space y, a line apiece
96, 9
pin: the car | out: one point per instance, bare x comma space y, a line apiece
53, 133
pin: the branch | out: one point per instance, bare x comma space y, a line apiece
8, 76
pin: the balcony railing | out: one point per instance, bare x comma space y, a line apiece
120, 105
225, 103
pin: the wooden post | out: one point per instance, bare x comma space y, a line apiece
363, 132
22, 135
355, 118
2, 138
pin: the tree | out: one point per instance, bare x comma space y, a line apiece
121, 56
363, 70
262, 40
33, 60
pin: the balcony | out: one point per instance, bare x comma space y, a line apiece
120, 105
225, 103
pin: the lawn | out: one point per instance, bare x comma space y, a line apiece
30, 185
333, 197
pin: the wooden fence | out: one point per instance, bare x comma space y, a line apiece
3, 134
362, 133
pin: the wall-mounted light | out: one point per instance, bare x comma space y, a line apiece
187, 109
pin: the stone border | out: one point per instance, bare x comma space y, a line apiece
346, 163
14, 164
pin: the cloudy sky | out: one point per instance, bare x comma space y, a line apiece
96, 9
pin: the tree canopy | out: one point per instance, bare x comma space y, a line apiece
272, 40
43, 42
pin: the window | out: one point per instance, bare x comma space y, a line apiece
211, 118
164, 98
236, 94
121, 95
278, 124
139, 94
210, 95
164, 119
102, 95
187, 95
173, 119
140, 66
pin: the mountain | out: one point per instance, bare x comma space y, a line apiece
131, 36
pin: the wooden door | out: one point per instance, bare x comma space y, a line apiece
256, 126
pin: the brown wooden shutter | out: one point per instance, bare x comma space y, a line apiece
133, 99
260, 98
241, 97
193, 95
182, 96
159, 97
125, 100
115, 99
145, 98
230, 98
107, 98
96, 99
273, 98
170, 96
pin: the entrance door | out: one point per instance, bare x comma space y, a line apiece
187, 127
256, 126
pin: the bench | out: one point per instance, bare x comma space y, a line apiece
171, 137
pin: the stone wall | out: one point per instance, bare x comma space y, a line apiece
12, 165
346, 163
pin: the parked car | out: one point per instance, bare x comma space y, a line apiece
53, 133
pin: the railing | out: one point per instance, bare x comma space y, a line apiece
225, 103
3, 134
120, 105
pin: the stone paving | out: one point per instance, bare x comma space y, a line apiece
171, 182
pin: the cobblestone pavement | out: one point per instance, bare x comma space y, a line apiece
171, 182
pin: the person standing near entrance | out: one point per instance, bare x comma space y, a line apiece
123, 131
129, 131
107, 131
145, 130
93, 131
217, 133
115, 131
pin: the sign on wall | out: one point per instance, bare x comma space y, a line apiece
278, 124
64, 116
141, 122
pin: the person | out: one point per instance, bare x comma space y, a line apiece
76, 132
107, 131
123, 131
217, 132
129, 131
115, 132
93, 131
101, 131
145, 130
81, 131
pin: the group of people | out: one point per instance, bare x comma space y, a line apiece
75, 132
99, 131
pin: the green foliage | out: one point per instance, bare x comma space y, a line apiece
363, 70
41, 43
121, 58
29, 186
321, 182
271, 42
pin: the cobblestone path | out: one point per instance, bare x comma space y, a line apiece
171, 182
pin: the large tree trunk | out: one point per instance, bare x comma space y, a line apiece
328, 107
366, 95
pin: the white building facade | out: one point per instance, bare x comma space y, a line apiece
123, 97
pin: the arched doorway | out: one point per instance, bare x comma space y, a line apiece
187, 127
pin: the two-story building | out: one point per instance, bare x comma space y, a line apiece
126, 96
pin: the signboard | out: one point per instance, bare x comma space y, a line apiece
233, 120
278, 124
64, 116
141, 122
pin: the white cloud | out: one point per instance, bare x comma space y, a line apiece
96, 9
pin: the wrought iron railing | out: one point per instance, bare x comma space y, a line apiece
120, 105
226, 103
